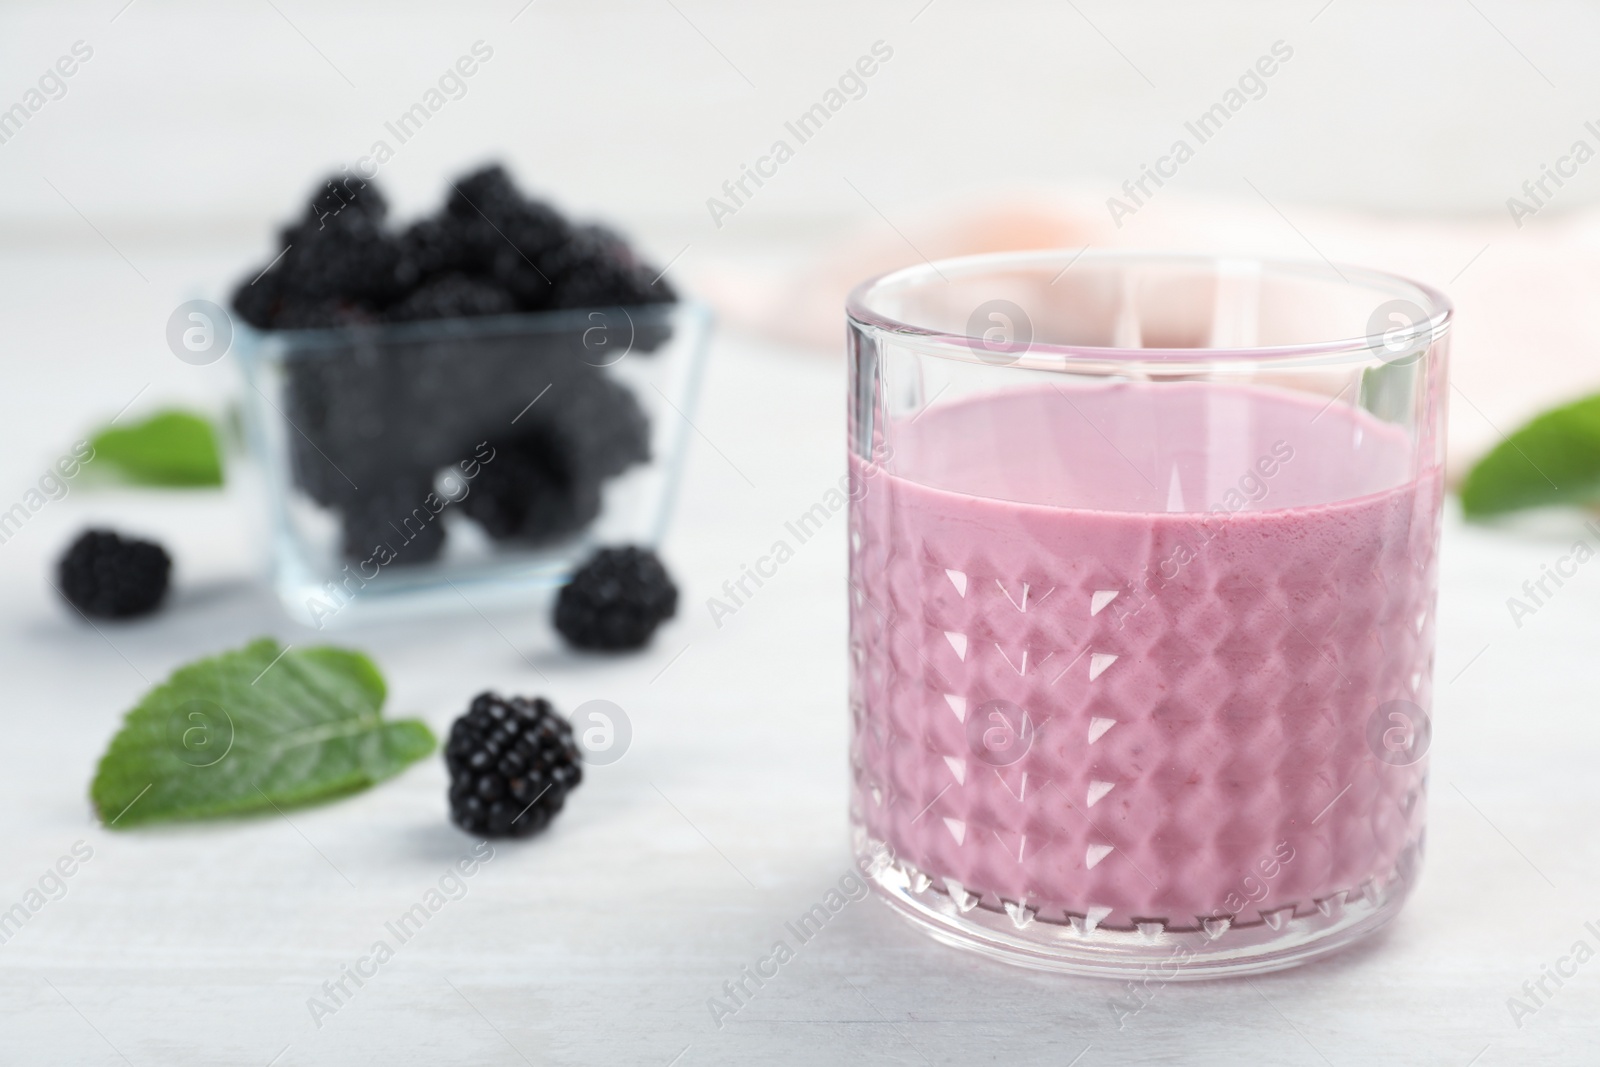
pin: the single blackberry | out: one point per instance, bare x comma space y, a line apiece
512, 233
342, 198
596, 268
351, 260
112, 577
512, 764
333, 266
256, 300
535, 489
616, 600
394, 525
486, 192
453, 296
523, 240
444, 245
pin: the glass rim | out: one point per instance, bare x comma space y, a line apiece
1438, 308
255, 343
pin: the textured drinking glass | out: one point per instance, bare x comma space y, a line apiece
1142, 584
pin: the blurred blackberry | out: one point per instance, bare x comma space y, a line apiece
320, 315
616, 600
433, 247
525, 238
603, 419
111, 577
394, 525
523, 280
453, 296
346, 197
336, 251
351, 260
536, 488
487, 192
515, 232
512, 763
338, 264
255, 300
596, 268
544, 483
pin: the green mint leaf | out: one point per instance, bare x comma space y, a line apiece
1555, 459
170, 448
251, 730
1387, 390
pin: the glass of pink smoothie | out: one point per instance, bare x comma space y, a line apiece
1142, 586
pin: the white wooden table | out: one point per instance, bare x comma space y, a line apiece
672, 869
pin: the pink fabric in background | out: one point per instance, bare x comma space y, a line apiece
1525, 336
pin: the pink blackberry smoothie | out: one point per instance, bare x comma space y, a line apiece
1116, 651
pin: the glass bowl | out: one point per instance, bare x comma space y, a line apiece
441, 465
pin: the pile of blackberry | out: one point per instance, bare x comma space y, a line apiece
489, 251
512, 763
381, 416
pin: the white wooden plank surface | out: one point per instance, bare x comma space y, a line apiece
677, 866
674, 868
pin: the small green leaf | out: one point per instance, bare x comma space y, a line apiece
1387, 390
170, 448
1555, 459
251, 730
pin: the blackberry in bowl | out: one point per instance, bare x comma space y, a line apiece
461, 407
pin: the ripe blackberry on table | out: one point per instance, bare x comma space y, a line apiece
512, 763
616, 600
108, 576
